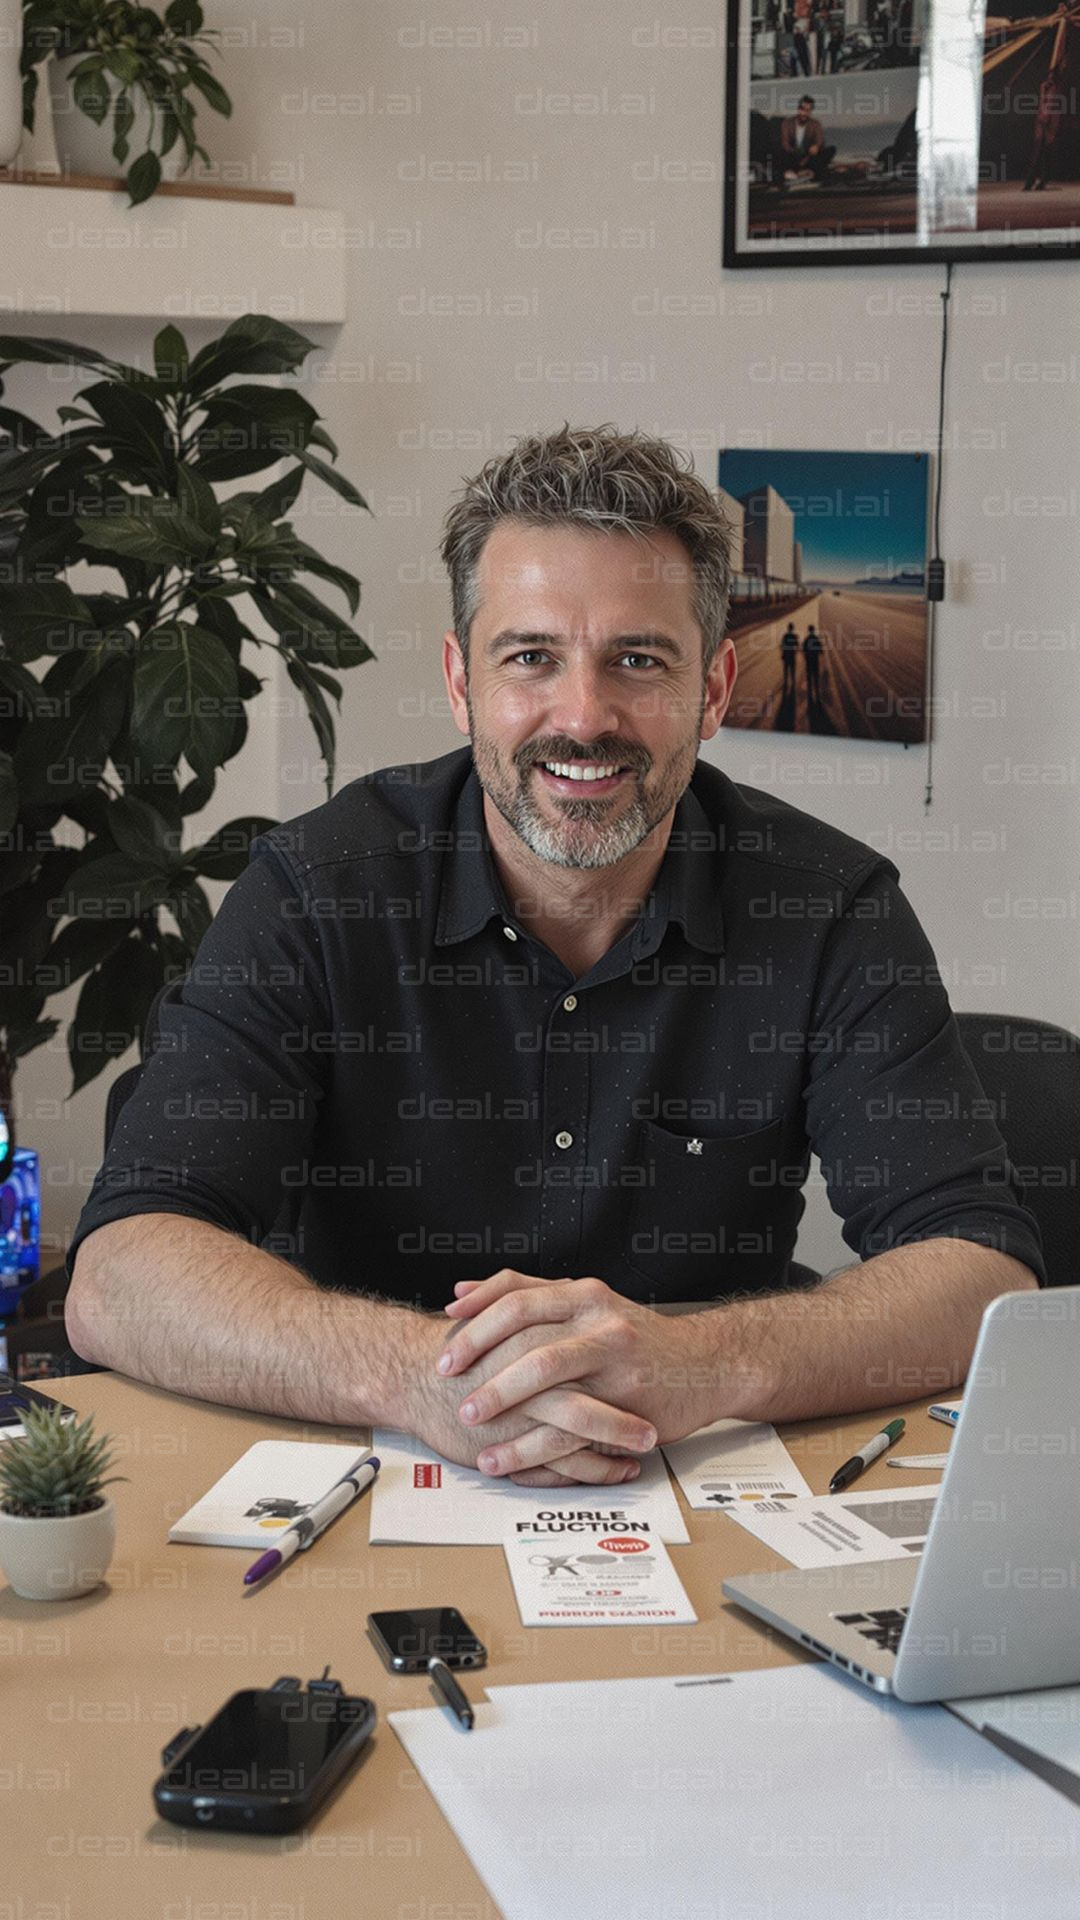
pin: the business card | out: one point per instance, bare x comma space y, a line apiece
578, 1566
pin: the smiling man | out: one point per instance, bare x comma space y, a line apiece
522, 1044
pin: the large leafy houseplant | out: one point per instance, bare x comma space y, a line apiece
140, 690
138, 69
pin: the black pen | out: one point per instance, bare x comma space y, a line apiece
451, 1692
873, 1450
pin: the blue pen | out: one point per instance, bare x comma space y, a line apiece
306, 1529
948, 1415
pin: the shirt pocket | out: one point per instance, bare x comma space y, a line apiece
715, 1213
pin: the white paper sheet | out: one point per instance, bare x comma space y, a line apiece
601, 1568
1046, 1723
732, 1462
842, 1529
420, 1499
794, 1792
270, 1486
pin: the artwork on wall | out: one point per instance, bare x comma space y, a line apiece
828, 603
901, 130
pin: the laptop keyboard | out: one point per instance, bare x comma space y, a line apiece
883, 1627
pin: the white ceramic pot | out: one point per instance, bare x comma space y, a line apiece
11, 127
55, 1559
84, 147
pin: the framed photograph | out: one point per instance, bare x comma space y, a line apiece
828, 598
870, 130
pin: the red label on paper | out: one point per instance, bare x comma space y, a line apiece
625, 1546
427, 1476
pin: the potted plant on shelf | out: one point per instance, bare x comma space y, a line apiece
123, 81
57, 1530
141, 687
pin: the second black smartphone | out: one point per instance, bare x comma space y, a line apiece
409, 1638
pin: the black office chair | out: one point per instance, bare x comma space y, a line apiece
1030, 1074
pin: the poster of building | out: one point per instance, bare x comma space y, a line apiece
828, 604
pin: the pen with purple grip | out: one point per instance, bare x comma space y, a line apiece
304, 1531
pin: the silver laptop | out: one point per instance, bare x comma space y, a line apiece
992, 1605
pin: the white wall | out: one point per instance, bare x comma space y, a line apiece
535, 236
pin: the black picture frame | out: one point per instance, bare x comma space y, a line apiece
927, 134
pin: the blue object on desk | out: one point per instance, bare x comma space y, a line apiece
20, 1227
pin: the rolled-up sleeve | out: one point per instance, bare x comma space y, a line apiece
908, 1142
231, 1092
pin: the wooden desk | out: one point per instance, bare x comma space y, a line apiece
93, 1688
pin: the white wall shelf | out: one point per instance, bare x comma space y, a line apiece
185, 254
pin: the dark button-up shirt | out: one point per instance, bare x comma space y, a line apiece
377, 1070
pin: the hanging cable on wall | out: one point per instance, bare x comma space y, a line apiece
935, 570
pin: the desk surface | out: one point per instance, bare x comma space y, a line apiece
94, 1687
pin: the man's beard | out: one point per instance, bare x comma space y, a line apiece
572, 841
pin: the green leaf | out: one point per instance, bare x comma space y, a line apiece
185, 695
134, 421
143, 178
212, 91
248, 427
63, 755
152, 530
312, 562
275, 500
334, 479
320, 438
140, 832
23, 1041
252, 344
197, 794
9, 794
43, 618
19, 692
170, 357
197, 500
123, 118
79, 945
91, 94
225, 855
21, 471
193, 913
311, 683
113, 887
49, 352
312, 629
184, 16
125, 64
112, 1008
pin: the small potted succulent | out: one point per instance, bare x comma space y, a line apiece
124, 83
57, 1530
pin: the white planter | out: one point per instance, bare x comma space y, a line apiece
11, 127
58, 1558
84, 147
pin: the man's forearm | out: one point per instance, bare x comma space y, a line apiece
190, 1307
899, 1327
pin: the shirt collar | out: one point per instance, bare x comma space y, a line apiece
686, 889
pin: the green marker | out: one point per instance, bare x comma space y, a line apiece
872, 1451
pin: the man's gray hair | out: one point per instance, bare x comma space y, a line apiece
599, 480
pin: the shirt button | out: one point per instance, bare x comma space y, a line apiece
570, 1002
509, 932
564, 1139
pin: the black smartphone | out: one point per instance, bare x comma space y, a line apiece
16, 1397
408, 1639
265, 1762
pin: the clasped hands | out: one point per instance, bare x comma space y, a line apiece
603, 1380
